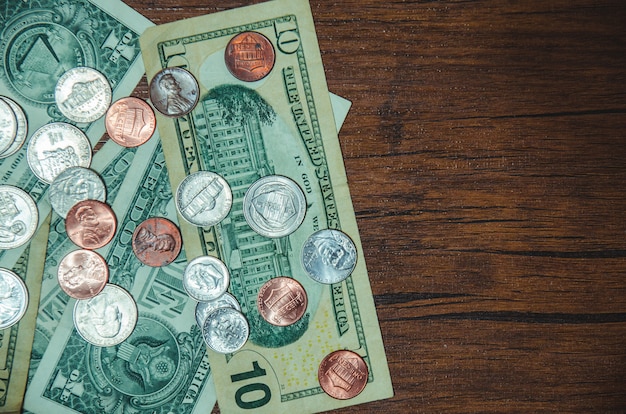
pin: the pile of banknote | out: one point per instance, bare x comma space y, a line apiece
208, 251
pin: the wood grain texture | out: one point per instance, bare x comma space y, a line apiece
486, 156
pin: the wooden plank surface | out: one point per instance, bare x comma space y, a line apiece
486, 156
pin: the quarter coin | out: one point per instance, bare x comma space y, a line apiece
13, 298
18, 217
157, 242
108, 318
329, 256
73, 185
82, 274
343, 374
130, 122
8, 125
204, 198
206, 278
225, 330
249, 56
282, 301
83, 94
21, 130
174, 92
203, 309
90, 224
274, 206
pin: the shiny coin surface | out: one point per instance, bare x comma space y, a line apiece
73, 185
249, 56
329, 256
55, 147
13, 298
206, 278
82, 274
18, 217
225, 330
204, 198
22, 128
343, 374
174, 92
8, 125
274, 206
83, 94
203, 309
108, 318
157, 242
282, 301
90, 224
130, 122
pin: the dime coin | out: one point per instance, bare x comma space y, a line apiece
203, 309
225, 330
73, 185
274, 206
130, 122
83, 94
204, 198
83, 274
55, 147
249, 56
329, 256
21, 131
206, 278
90, 224
157, 242
13, 298
282, 301
108, 318
343, 374
18, 217
8, 125
174, 92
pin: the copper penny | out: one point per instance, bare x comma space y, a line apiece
157, 242
343, 374
90, 224
83, 274
249, 56
282, 301
130, 122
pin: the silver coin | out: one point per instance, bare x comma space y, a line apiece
274, 206
8, 126
329, 256
174, 92
204, 198
206, 278
13, 298
108, 318
18, 217
225, 330
55, 147
203, 309
73, 185
83, 94
22, 128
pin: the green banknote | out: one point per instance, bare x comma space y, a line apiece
282, 124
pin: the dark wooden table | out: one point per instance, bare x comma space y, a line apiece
486, 155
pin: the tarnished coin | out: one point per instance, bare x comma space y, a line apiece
343, 374
22, 128
130, 121
8, 126
83, 274
55, 147
18, 217
108, 318
282, 301
174, 92
13, 298
157, 241
249, 56
204, 198
329, 256
206, 278
274, 206
83, 94
73, 185
225, 330
90, 224
203, 309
